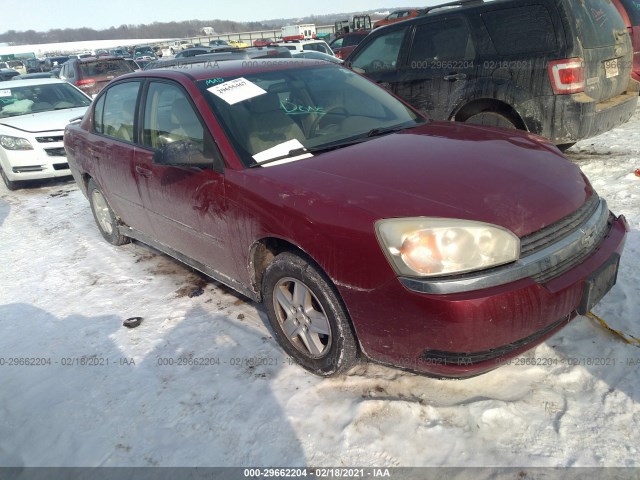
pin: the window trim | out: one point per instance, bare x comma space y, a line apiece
217, 162
103, 94
427, 21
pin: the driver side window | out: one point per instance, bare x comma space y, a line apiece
381, 54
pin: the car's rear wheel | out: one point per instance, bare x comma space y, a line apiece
104, 216
307, 316
563, 147
491, 119
11, 185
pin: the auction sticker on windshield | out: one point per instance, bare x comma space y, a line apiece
5, 92
237, 90
281, 150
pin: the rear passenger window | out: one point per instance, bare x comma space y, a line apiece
119, 111
449, 39
521, 30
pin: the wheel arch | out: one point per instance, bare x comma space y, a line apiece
489, 105
262, 253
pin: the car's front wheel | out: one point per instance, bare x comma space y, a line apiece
307, 317
104, 216
11, 185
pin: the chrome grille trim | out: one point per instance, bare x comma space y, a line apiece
542, 265
535, 241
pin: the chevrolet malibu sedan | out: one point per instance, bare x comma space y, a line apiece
364, 229
33, 114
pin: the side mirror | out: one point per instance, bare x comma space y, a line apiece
182, 153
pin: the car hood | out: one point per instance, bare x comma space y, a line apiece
43, 121
444, 169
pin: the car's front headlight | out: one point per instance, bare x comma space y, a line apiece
426, 247
15, 143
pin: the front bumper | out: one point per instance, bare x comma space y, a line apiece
471, 332
47, 159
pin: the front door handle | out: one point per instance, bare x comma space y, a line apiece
143, 171
455, 76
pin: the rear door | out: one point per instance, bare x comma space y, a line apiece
606, 47
112, 148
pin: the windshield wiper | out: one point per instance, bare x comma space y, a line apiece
334, 146
377, 132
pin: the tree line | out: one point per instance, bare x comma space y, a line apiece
187, 28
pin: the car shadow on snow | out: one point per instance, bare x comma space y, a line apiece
5, 208
86, 391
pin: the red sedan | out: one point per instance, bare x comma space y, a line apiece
363, 228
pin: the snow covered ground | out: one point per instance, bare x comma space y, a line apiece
111, 396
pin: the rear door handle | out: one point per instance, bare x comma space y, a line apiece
143, 171
455, 76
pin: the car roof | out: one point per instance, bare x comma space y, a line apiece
299, 42
204, 70
34, 81
97, 59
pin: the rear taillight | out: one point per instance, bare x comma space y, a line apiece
86, 83
567, 76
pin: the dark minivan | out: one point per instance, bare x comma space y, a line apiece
557, 68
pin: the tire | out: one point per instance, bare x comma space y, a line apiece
104, 216
11, 185
307, 317
565, 146
491, 119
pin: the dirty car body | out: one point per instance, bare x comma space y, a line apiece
364, 228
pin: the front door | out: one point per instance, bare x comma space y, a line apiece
439, 66
186, 204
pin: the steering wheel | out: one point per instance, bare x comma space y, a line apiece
376, 65
335, 111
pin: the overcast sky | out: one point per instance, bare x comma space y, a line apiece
99, 14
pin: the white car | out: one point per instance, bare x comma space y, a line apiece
306, 45
33, 115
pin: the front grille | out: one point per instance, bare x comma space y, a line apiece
553, 233
569, 263
50, 139
60, 166
56, 152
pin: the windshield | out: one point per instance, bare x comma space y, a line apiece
15, 101
269, 114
